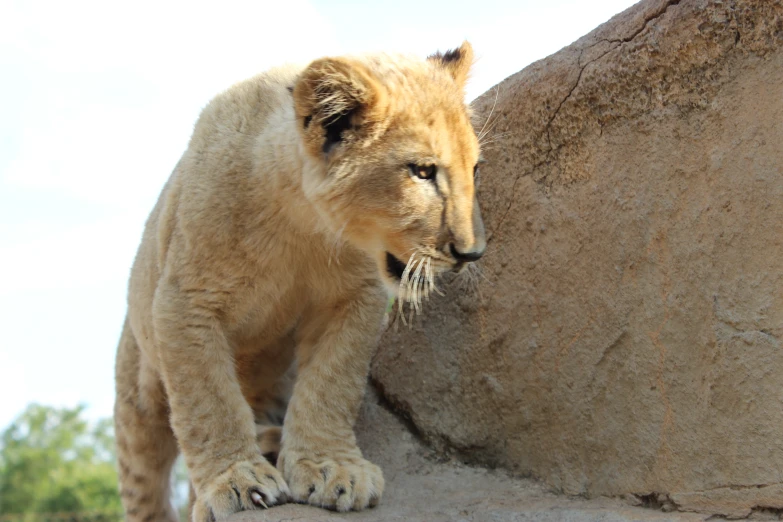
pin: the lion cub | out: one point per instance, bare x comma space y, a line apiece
304, 198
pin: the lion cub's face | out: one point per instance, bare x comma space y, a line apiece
397, 158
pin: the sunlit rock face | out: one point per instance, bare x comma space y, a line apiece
624, 335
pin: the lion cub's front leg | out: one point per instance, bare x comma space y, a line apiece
319, 458
213, 423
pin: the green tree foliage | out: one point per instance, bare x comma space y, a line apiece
52, 461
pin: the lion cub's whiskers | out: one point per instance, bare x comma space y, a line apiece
469, 279
433, 285
404, 287
484, 131
416, 286
411, 294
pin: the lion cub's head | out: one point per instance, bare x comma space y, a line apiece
393, 161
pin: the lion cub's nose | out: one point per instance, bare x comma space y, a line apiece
466, 257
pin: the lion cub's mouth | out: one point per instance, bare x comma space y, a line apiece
394, 266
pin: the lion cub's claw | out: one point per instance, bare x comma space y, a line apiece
342, 484
242, 487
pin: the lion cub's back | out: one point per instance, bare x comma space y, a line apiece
222, 142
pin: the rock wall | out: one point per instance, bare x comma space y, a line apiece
624, 336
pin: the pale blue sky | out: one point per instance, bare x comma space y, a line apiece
97, 101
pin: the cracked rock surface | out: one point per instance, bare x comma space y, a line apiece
624, 337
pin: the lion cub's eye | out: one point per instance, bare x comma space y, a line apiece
423, 171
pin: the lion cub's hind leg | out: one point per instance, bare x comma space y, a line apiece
267, 380
146, 447
268, 438
269, 423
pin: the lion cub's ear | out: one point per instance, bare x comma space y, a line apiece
334, 97
457, 62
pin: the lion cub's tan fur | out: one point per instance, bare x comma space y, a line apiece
269, 245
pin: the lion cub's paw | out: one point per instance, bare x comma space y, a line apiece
342, 484
243, 486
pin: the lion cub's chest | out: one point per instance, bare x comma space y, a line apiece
286, 294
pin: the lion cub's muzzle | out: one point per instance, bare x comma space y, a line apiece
468, 238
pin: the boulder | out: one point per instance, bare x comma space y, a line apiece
623, 335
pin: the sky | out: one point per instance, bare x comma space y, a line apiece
97, 102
